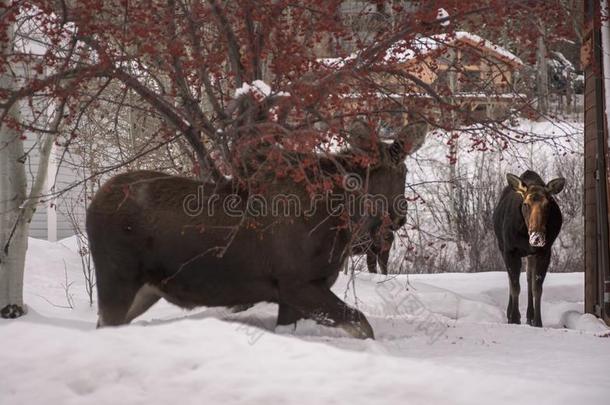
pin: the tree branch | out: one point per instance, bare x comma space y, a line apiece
232, 43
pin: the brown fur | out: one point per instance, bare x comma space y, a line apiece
526, 213
145, 246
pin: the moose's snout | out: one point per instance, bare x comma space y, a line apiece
537, 239
398, 223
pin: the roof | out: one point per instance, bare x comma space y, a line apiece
404, 51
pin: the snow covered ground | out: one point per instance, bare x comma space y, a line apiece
439, 339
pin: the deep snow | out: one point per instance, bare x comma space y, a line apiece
439, 339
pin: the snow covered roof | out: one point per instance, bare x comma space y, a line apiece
403, 51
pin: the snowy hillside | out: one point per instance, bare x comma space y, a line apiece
439, 339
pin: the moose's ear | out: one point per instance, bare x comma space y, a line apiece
360, 136
396, 152
516, 183
556, 185
408, 141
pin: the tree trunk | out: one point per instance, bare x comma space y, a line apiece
16, 206
453, 151
14, 229
542, 76
13, 188
17, 209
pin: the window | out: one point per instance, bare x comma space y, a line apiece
470, 81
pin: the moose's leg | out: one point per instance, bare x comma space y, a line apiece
114, 305
146, 297
384, 252
541, 265
383, 258
315, 301
371, 261
513, 264
117, 286
531, 271
288, 315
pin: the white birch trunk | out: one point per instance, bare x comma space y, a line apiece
16, 206
13, 189
13, 235
16, 211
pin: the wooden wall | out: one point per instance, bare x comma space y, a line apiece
592, 86
597, 245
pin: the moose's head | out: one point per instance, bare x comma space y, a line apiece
384, 180
534, 208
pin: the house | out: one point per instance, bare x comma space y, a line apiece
470, 70
57, 216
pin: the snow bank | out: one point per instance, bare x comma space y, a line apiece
584, 322
439, 339
191, 362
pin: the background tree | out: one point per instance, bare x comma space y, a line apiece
18, 199
228, 88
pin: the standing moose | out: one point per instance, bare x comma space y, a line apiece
527, 221
146, 245
376, 246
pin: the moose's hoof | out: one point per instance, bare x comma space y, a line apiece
360, 330
240, 308
12, 311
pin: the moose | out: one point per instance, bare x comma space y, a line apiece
146, 245
376, 246
527, 220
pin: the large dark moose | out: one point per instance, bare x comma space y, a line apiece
527, 220
146, 245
